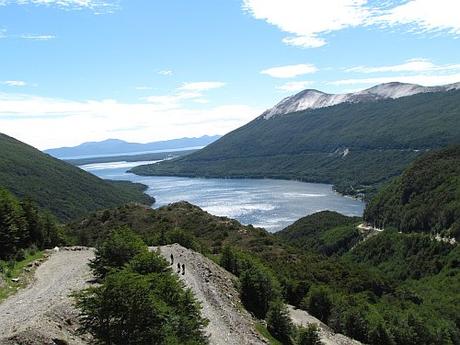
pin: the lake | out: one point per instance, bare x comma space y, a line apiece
266, 203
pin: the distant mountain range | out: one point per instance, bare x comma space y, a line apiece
354, 141
119, 147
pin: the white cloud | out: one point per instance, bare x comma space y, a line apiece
35, 37
34, 120
421, 79
290, 71
308, 21
97, 6
425, 15
202, 86
413, 65
14, 83
165, 72
294, 86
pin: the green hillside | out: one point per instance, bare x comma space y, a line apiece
426, 198
353, 146
66, 191
391, 289
324, 232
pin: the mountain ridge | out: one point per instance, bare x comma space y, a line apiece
355, 146
314, 99
68, 192
117, 146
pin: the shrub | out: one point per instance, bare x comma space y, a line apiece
258, 289
279, 322
309, 335
319, 303
119, 248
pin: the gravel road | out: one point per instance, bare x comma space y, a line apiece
37, 311
214, 288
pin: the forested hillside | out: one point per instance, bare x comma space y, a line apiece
426, 198
66, 191
391, 289
23, 226
324, 232
353, 146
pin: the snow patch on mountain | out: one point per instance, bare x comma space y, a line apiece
314, 99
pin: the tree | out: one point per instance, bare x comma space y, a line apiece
258, 288
279, 322
148, 262
309, 335
132, 308
319, 303
115, 252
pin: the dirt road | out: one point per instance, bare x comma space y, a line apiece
214, 288
43, 311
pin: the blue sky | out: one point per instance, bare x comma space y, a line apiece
145, 70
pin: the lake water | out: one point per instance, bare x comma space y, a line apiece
271, 204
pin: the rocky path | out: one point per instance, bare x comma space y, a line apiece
43, 311
214, 288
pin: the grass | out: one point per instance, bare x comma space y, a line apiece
16, 270
266, 334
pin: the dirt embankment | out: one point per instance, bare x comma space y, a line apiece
43, 312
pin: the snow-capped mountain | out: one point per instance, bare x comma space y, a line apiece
313, 99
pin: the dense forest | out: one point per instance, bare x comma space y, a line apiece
425, 198
23, 226
56, 186
356, 147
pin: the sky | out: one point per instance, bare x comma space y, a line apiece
73, 71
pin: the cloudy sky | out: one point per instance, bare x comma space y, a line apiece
146, 70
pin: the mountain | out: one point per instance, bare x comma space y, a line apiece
425, 198
115, 146
314, 99
355, 146
66, 191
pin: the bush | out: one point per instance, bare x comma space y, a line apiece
279, 322
148, 262
119, 248
319, 303
184, 238
309, 335
258, 289
143, 303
